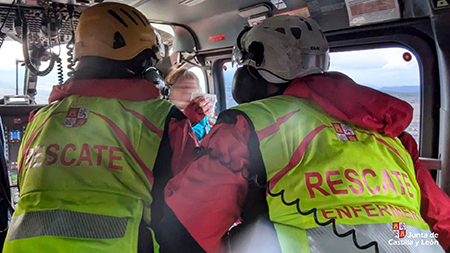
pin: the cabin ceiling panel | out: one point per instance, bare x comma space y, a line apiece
173, 11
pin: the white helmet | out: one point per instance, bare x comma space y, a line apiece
283, 48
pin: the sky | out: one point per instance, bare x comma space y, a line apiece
376, 68
9, 52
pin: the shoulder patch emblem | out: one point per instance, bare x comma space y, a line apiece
344, 132
76, 117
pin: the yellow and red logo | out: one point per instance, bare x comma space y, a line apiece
399, 229
344, 132
76, 117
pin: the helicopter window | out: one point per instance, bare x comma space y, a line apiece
11, 52
228, 73
201, 77
392, 70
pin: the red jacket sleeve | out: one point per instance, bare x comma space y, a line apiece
435, 204
183, 142
207, 197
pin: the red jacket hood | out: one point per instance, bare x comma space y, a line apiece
341, 97
125, 89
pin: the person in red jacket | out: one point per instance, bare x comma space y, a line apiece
182, 85
310, 161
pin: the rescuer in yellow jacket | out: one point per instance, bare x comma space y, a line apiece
309, 160
93, 165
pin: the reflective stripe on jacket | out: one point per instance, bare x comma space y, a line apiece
86, 175
350, 174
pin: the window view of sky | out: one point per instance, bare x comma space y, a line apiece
12, 51
378, 68
384, 69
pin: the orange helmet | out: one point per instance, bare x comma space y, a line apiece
115, 31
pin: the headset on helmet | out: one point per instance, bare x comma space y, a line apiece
283, 48
115, 31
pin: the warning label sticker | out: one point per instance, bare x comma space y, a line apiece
439, 4
362, 12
